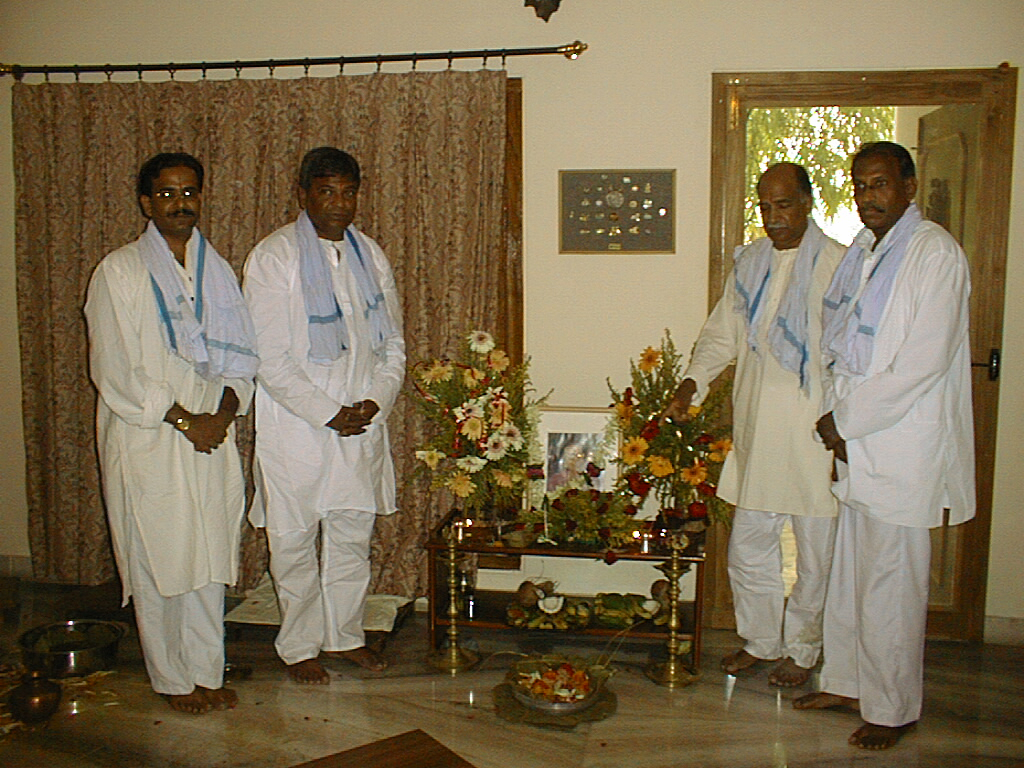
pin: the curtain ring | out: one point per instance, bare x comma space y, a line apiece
305, 67
138, 70
172, 69
238, 68
378, 62
76, 71
341, 66
450, 57
270, 68
415, 60
504, 58
204, 69
108, 72
46, 74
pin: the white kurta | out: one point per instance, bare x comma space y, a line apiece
775, 465
188, 505
307, 469
908, 422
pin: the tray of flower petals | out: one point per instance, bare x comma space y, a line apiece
556, 684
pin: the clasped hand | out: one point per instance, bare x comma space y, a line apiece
354, 419
206, 431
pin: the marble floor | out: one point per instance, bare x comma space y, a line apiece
974, 712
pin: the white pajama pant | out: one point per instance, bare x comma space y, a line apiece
772, 626
321, 595
875, 617
182, 636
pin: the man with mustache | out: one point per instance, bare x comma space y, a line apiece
172, 353
768, 322
899, 422
329, 325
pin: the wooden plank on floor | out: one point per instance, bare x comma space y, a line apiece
412, 749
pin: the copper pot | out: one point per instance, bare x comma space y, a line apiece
35, 700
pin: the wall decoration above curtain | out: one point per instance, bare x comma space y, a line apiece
433, 149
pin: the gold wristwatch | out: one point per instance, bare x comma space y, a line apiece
182, 424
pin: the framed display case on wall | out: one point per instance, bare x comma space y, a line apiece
617, 211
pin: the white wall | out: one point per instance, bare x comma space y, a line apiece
640, 97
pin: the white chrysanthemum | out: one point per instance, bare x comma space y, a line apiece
496, 447
471, 409
471, 464
512, 435
480, 341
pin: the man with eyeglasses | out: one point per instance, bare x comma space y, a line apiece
172, 353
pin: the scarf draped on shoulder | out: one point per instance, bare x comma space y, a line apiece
328, 333
216, 335
848, 335
788, 333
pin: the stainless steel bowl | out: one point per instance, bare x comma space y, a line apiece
598, 677
71, 648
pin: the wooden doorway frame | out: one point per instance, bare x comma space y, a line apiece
733, 96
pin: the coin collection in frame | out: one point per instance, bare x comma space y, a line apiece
618, 211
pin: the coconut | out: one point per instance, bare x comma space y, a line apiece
552, 604
528, 594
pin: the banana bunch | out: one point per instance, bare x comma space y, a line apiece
572, 613
617, 611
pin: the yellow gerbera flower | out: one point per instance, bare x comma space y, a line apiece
472, 428
461, 485
624, 411
498, 360
719, 449
660, 466
504, 479
694, 474
650, 359
438, 371
472, 376
634, 450
431, 458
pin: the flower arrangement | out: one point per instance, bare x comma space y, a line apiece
584, 517
485, 422
679, 462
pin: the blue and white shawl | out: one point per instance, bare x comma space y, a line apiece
328, 334
848, 336
788, 333
216, 335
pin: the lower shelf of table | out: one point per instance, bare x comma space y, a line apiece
490, 614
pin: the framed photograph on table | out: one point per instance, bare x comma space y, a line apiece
572, 438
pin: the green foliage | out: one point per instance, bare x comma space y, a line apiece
822, 139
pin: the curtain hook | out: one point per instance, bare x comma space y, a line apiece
305, 67
172, 69
270, 67
415, 60
238, 68
378, 62
450, 57
76, 70
341, 66
108, 72
46, 74
504, 58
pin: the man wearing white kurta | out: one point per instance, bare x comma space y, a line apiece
328, 321
900, 424
172, 355
769, 322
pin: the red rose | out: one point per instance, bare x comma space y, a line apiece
637, 484
698, 510
535, 471
610, 557
604, 533
704, 439
602, 508
558, 504
672, 512
650, 430
706, 489
538, 527
572, 493
630, 510
571, 525
593, 470
519, 527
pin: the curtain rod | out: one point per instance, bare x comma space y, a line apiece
570, 51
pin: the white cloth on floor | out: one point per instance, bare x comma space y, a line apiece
772, 626
875, 617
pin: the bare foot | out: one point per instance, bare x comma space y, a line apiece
219, 698
364, 657
737, 661
871, 736
788, 674
194, 703
308, 671
822, 700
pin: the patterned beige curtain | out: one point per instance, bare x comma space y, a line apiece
433, 150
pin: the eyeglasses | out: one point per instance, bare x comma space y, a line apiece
172, 194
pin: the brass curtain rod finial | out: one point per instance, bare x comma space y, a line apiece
572, 51
6, 69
